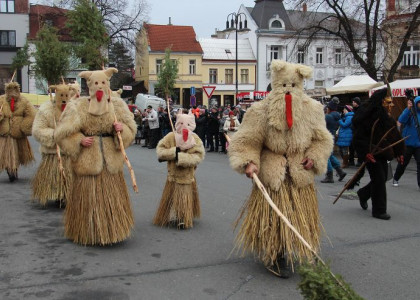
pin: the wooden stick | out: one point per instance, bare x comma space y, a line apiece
169, 114
291, 227
363, 165
1, 108
62, 79
13, 76
127, 161
60, 161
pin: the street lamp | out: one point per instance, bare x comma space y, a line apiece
235, 24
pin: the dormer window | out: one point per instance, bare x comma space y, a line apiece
275, 23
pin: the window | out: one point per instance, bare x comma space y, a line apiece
319, 83
7, 6
7, 38
229, 76
276, 24
338, 56
158, 66
319, 53
213, 75
411, 56
244, 76
275, 53
301, 55
192, 66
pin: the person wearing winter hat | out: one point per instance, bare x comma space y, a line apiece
332, 118
345, 135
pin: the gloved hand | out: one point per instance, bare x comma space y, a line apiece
369, 158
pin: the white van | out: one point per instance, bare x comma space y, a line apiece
144, 100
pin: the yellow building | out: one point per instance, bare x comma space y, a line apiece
152, 42
219, 69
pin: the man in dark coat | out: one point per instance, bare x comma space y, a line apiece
363, 121
213, 129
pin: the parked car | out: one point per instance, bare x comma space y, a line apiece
144, 100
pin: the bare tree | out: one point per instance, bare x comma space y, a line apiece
359, 25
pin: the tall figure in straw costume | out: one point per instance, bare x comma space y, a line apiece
285, 141
183, 150
50, 182
98, 210
16, 117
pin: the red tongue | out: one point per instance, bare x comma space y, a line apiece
63, 106
185, 134
12, 104
289, 116
99, 95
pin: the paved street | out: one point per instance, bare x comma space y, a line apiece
379, 258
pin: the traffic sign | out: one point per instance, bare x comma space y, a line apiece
209, 90
192, 91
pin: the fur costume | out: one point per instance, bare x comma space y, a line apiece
277, 134
49, 183
16, 118
98, 210
74, 91
184, 151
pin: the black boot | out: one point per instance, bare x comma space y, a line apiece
12, 175
328, 178
280, 267
362, 200
341, 174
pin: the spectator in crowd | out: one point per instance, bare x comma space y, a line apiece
332, 119
201, 124
355, 103
161, 118
345, 135
412, 143
222, 132
231, 125
138, 120
152, 118
239, 113
146, 130
213, 130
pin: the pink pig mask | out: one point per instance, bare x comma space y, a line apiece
184, 126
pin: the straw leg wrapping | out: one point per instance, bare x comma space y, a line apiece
263, 233
98, 210
48, 183
179, 203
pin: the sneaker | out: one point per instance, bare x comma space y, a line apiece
394, 182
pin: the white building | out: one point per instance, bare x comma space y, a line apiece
14, 27
274, 35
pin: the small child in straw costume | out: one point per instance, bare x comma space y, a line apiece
16, 117
98, 209
49, 183
183, 150
285, 141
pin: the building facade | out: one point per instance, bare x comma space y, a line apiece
152, 42
219, 69
274, 35
14, 27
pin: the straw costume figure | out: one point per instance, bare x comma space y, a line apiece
98, 210
16, 117
285, 141
49, 184
183, 150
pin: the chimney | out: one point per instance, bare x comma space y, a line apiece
170, 21
304, 7
390, 9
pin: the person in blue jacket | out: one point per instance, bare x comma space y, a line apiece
345, 135
412, 143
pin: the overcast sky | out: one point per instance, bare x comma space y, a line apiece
203, 15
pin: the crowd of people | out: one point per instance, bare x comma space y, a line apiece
212, 125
